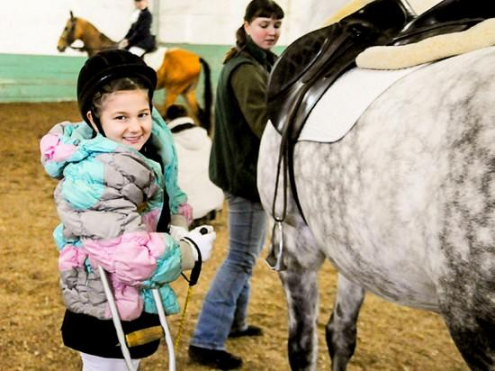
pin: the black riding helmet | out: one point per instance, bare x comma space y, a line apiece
105, 67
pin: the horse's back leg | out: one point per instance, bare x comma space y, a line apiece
171, 95
301, 290
473, 330
190, 97
341, 329
466, 268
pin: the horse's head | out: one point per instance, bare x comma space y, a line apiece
68, 35
91, 38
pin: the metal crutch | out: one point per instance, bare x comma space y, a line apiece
120, 331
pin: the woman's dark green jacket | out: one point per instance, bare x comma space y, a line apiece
240, 118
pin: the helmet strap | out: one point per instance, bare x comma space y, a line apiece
97, 122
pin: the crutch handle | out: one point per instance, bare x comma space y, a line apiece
144, 336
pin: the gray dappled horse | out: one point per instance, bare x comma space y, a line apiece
403, 206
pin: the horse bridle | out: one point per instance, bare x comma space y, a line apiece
69, 37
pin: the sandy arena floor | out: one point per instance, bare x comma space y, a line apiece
390, 337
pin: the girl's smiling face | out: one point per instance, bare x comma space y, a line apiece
125, 117
265, 32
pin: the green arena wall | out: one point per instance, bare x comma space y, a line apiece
52, 78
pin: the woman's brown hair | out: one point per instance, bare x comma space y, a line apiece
255, 9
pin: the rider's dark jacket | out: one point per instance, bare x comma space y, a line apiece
140, 32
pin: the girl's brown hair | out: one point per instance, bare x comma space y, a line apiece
122, 84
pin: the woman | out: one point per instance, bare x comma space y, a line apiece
241, 116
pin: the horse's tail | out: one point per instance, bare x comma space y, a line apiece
204, 115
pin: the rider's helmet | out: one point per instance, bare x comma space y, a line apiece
105, 67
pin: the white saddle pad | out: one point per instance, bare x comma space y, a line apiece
155, 59
346, 100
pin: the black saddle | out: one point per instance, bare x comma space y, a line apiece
446, 17
312, 63
308, 66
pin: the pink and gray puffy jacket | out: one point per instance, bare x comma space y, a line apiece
109, 199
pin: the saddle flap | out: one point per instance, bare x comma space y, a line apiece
298, 57
309, 65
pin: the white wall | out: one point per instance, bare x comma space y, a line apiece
216, 21
34, 26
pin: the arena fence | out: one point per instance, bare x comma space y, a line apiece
49, 78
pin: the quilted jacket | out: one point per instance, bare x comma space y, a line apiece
109, 199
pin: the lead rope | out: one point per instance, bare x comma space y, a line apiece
183, 318
193, 280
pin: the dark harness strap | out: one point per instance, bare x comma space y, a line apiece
182, 127
446, 17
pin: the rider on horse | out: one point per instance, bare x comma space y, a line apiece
139, 39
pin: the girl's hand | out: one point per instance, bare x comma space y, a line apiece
186, 211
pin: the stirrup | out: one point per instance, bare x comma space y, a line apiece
276, 259
138, 337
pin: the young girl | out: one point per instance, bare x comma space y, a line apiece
117, 195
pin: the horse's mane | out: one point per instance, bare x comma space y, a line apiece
92, 28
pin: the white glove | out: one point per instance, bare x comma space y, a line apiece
177, 232
203, 236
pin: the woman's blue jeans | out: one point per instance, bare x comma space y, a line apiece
226, 303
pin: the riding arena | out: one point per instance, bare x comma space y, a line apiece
314, 215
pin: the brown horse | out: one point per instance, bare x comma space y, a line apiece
178, 72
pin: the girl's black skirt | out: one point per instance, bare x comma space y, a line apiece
97, 337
